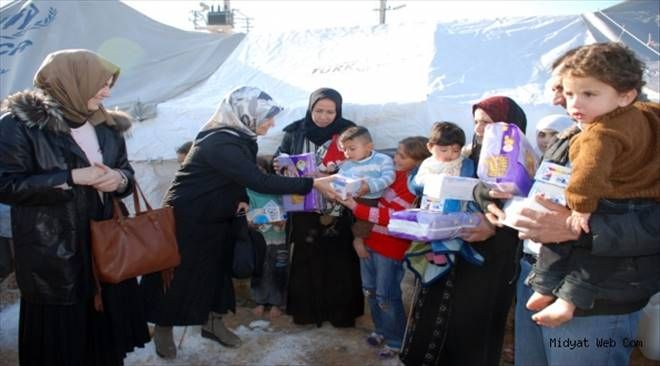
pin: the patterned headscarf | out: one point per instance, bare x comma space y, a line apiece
73, 77
244, 109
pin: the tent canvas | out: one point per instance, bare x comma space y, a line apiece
157, 61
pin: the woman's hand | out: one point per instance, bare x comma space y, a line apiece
545, 227
109, 181
86, 176
482, 232
323, 185
276, 166
494, 214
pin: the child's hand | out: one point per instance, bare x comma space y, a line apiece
360, 249
348, 202
578, 221
364, 189
242, 209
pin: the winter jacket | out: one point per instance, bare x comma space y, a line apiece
50, 215
396, 198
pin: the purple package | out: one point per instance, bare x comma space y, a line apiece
507, 160
302, 165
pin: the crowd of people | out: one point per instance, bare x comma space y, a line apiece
579, 272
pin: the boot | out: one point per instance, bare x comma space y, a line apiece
164, 342
215, 329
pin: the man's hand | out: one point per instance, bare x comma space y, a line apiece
545, 227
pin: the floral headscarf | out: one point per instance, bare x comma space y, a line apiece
244, 109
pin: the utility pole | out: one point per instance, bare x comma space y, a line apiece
383, 8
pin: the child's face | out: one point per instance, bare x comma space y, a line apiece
444, 153
357, 149
588, 98
544, 138
403, 162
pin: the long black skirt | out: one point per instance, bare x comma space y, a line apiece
324, 282
78, 334
202, 282
460, 320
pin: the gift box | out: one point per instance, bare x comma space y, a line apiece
346, 187
302, 165
441, 187
550, 181
507, 161
271, 212
416, 224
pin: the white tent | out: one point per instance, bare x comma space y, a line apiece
396, 79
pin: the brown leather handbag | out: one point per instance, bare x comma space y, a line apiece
125, 247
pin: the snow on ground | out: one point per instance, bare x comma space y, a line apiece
265, 342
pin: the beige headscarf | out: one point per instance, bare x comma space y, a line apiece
73, 77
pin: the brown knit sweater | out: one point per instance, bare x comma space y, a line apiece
616, 157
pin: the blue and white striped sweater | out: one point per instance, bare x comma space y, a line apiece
378, 169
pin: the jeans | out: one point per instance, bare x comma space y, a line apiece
587, 340
381, 281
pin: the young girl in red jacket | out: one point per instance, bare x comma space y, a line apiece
381, 255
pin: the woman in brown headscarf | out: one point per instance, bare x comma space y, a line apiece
62, 159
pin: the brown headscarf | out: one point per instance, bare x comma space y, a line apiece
499, 109
73, 77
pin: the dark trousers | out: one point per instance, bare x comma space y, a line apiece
569, 271
6, 257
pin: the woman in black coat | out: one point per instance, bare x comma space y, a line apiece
62, 159
205, 195
324, 281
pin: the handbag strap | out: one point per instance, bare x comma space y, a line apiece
136, 199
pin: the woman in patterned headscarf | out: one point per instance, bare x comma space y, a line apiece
460, 320
205, 195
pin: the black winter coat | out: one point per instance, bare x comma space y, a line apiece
205, 195
50, 224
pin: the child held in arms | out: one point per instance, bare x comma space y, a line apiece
615, 169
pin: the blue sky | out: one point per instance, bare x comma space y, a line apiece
297, 14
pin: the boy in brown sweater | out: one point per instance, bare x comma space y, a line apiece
615, 168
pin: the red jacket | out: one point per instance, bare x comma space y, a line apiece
396, 198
